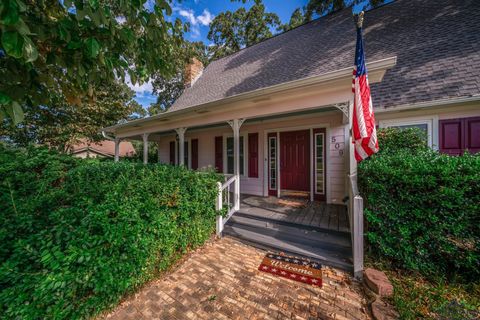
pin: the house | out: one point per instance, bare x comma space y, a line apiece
101, 149
276, 115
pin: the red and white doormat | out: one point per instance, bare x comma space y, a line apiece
292, 268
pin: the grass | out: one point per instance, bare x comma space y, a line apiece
415, 297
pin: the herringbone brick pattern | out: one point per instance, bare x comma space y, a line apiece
221, 281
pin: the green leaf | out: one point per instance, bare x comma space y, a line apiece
93, 47
22, 28
30, 52
67, 3
21, 6
3, 115
93, 4
64, 33
13, 44
4, 99
10, 14
15, 111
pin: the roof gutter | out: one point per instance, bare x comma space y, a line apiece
429, 104
106, 136
344, 73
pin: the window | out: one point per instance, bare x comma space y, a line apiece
272, 162
319, 164
230, 162
422, 124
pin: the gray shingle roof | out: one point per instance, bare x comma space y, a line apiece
437, 44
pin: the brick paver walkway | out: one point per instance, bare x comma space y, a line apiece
221, 281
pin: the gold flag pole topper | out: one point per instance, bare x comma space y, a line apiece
359, 19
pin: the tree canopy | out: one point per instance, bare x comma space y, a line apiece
53, 50
322, 7
60, 124
232, 31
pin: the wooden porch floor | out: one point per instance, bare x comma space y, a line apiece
298, 211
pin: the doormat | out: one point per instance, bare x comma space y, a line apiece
293, 202
293, 268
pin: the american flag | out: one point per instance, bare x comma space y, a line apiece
363, 124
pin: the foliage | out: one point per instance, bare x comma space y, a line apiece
322, 7
232, 31
297, 19
52, 49
318, 8
392, 140
168, 89
152, 151
423, 210
60, 125
76, 234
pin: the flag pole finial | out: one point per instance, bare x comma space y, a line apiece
359, 19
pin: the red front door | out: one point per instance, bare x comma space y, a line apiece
294, 160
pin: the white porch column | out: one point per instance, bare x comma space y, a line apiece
236, 124
181, 145
117, 149
145, 148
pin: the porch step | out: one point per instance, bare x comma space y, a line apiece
328, 248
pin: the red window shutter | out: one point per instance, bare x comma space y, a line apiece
451, 137
172, 152
253, 155
219, 154
194, 154
472, 134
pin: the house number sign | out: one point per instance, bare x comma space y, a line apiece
338, 146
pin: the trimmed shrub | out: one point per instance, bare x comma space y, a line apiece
423, 211
393, 140
77, 235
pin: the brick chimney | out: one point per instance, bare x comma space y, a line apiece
193, 71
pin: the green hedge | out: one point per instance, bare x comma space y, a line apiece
77, 235
423, 211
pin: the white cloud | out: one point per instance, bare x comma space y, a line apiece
139, 89
204, 19
190, 15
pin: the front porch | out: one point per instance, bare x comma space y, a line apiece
299, 211
296, 226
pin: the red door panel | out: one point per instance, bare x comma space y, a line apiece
472, 134
295, 160
253, 155
219, 154
194, 154
451, 137
172, 152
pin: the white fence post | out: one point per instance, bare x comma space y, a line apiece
358, 237
219, 207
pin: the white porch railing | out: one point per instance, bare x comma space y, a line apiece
355, 215
227, 196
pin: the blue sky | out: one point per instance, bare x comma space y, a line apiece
200, 13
